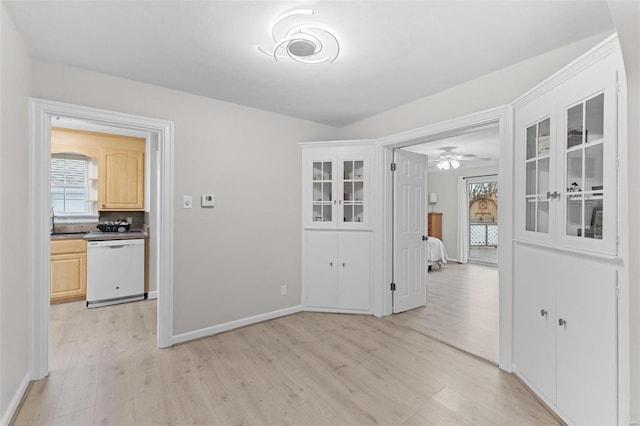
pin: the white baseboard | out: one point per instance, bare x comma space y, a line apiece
210, 331
15, 401
152, 295
337, 310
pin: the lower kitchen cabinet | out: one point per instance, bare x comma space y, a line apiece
565, 332
337, 270
68, 270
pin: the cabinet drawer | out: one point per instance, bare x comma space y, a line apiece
68, 246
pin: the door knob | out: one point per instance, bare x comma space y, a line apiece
543, 312
561, 322
425, 238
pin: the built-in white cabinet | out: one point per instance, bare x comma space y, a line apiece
565, 254
337, 272
336, 186
566, 149
565, 333
336, 221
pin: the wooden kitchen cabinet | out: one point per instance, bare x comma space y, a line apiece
121, 179
120, 165
434, 225
68, 270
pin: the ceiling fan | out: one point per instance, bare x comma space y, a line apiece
451, 160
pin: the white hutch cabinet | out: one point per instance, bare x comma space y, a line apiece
565, 254
336, 218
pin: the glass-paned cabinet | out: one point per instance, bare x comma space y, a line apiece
584, 152
537, 176
322, 191
566, 172
336, 187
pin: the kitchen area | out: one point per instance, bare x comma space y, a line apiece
99, 225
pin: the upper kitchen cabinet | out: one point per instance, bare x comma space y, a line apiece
120, 161
336, 185
566, 151
121, 179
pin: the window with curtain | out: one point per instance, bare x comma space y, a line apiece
70, 185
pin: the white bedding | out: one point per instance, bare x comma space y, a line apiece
437, 252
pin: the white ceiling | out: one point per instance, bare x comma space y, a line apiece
483, 145
393, 52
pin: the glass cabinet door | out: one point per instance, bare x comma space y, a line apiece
323, 198
353, 191
537, 163
584, 154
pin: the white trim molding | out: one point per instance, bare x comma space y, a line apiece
15, 401
231, 325
41, 112
152, 295
604, 48
501, 116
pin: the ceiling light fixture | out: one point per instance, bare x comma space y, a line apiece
305, 42
446, 163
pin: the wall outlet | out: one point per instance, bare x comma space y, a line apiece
187, 202
283, 290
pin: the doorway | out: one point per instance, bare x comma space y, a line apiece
500, 117
161, 132
482, 197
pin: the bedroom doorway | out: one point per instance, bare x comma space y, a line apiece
482, 196
462, 299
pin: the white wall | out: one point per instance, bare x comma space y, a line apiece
14, 125
230, 261
444, 183
491, 90
626, 16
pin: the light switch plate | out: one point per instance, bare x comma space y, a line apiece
187, 202
208, 200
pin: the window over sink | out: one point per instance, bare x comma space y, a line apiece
73, 188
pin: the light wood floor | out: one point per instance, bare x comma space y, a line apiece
305, 369
462, 309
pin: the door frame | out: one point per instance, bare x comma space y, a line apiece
468, 181
39, 252
503, 117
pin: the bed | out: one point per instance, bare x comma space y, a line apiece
436, 252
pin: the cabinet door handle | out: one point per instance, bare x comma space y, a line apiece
339, 201
425, 238
561, 322
556, 194
543, 312
344, 264
548, 194
331, 264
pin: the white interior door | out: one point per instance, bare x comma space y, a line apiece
409, 222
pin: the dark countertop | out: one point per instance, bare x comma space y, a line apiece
102, 236
68, 236
105, 236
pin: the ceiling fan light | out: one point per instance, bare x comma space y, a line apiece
445, 165
454, 163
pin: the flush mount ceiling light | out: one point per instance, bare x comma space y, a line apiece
306, 42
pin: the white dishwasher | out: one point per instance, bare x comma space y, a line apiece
115, 272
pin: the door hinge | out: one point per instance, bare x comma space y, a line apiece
617, 164
617, 293
393, 286
393, 167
